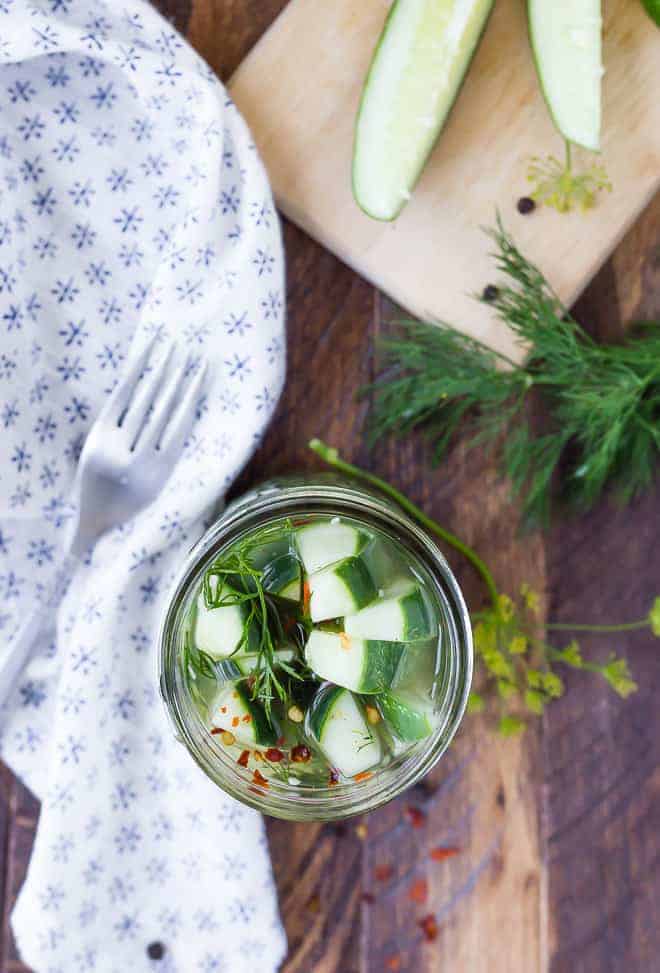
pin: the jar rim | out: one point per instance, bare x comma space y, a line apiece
320, 496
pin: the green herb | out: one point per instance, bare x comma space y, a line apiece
365, 739
559, 185
196, 665
233, 579
517, 666
603, 401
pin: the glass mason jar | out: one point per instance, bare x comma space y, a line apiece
322, 495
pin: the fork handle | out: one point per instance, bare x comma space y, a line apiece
11, 667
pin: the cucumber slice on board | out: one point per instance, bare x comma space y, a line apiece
219, 630
652, 8
281, 577
422, 56
362, 666
235, 710
401, 616
340, 589
408, 715
337, 723
326, 543
566, 40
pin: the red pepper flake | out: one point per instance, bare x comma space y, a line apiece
364, 775
223, 709
235, 721
243, 759
368, 898
247, 718
383, 873
215, 730
300, 754
258, 778
274, 755
307, 596
415, 817
333, 778
393, 963
441, 852
313, 904
429, 926
419, 891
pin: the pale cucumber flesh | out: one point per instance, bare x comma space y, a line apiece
340, 589
343, 734
415, 75
237, 713
566, 40
403, 618
326, 543
218, 631
358, 665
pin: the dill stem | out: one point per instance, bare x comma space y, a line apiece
331, 456
624, 627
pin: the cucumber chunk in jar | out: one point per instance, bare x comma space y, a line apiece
312, 651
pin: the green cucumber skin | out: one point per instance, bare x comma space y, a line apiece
266, 733
252, 641
229, 670
441, 125
324, 702
652, 8
381, 663
281, 572
404, 722
356, 578
372, 66
418, 624
537, 68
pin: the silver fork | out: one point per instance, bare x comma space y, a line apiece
134, 443
128, 454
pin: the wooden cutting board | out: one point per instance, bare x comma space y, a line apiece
299, 90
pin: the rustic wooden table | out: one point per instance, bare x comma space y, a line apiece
556, 835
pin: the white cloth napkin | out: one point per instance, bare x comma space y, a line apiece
132, 203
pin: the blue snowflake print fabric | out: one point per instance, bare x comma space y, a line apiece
133, 208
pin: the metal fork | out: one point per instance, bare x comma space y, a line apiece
134, 444
127, 457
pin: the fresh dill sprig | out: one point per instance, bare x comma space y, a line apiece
196, 665
516, 668
234, 579
602, 400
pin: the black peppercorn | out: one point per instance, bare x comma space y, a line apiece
525, 205
490, 293
155, 950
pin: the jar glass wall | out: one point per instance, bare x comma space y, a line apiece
321, 496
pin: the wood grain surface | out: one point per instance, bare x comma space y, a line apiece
304, 127
552, 841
